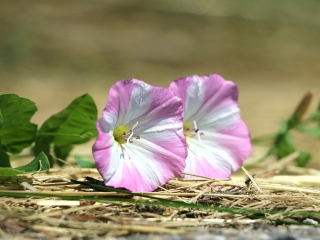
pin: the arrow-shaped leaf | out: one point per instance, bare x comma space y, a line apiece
17, 132
40, 163
65, 128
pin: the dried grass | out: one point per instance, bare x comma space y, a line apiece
52, 217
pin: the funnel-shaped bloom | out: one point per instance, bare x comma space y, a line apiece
140, 143
218, 140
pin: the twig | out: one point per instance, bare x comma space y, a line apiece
252, 180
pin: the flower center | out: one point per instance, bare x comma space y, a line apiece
192, 131
123, 134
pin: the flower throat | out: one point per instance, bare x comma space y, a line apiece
188, 132
123, 134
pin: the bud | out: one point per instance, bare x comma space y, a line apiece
300, 110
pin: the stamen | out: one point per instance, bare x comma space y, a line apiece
195, 125
197, 131
124, 153
128, 139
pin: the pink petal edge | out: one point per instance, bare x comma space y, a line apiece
170, 163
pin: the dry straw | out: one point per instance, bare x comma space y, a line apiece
288, 199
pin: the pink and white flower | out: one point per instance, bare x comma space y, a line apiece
218, 140
140, 143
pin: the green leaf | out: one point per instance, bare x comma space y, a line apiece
303, 159
33, 166
43, 147
1, 119
17, 131
316, 116
65, 128
62, 152
83, 163
284, 128
41, 163
6, 171
312, 131
4, 159
283, 145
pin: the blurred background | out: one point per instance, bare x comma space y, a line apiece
54, 51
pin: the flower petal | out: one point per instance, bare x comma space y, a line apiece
219, 154
192, 93
201, 95
212, 103
127, 100
156, 151
147, 162
145, 166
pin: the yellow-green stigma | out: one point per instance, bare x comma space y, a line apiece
187, 129
120, 134
191, 130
